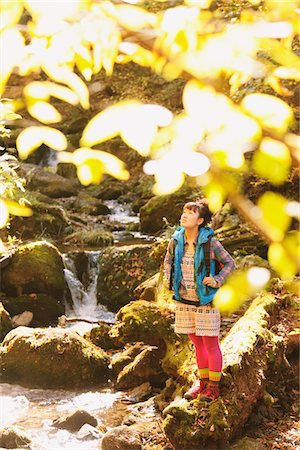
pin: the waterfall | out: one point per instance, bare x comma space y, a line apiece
84, 293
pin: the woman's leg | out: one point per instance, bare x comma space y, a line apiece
202, 363
212, 346
201, 356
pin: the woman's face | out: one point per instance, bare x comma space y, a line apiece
190, 218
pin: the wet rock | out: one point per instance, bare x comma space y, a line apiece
87, 432
14, 437
74, 422
23, 319
5, 322
100, 336
120, 360
35, 268
122, 269
87, 204
66, 170
51, 357
152, 214
148, 289
139, 393
122, 438
95, 237
44, 309
48, 183
145, 367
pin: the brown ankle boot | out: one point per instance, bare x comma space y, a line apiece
195, 390
211, 392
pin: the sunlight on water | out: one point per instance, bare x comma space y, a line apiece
35, 409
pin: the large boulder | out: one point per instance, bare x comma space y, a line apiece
45, 308
51, 357
14, 437
145, 367
152, 214
122, 438
35, 268
121, 270
47, 182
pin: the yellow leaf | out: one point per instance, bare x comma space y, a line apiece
10, 13
272, 160
216, 194
4, 214
110, 163
44, 112
65, 9
239, 286
274, 216
279, 53
36, 90
139, 136
16, 209
287, 73
33, 137
284, 256
75, 83
106, 124
167, 182
12, 50
134, 18
271, 112
90, 172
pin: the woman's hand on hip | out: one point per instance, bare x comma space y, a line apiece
210, 281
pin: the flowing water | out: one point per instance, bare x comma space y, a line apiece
35, 409
84, 295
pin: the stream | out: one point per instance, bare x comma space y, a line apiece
35, 409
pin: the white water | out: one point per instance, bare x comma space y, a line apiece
35, 409
84, 299
121, 213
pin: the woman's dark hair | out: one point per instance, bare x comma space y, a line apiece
200, 206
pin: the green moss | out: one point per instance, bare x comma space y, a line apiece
51, 357
35, 267
95, 238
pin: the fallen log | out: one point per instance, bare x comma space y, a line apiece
62, 320
250, 350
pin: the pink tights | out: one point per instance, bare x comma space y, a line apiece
208, 352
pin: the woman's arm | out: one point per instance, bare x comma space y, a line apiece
221, 255
168, 259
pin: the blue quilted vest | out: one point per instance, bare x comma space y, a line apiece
204, 295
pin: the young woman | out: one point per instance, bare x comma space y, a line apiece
185, 266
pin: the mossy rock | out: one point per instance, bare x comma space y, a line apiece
100, 336
35, 268
47, 182
148, 289
5, 322
144, 321
51, 357
120, 360
88, 204
45, 308
96, 237
145, 367
152, 214
122, 269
